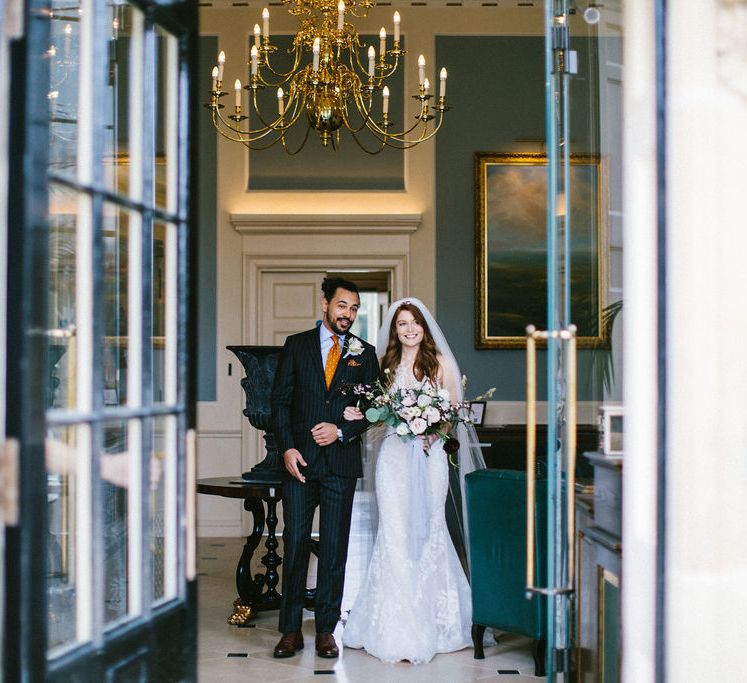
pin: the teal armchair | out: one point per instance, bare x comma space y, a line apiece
496, 513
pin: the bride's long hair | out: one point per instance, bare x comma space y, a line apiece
426, 361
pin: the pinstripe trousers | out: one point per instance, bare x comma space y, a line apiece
334, 496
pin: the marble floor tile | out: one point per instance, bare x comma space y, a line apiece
217, 638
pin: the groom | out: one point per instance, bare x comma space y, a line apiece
322, 457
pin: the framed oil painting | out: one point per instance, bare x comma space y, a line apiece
511, 249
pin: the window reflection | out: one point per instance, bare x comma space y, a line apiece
63, 234
64, 65
62, 464
115, 473
116, 224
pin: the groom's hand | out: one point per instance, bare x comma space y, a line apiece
292, 459
324, 433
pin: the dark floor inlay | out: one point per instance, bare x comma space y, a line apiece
317, 672
208, 558
508, 672
202, 574
217, 545
247, 625
237, 654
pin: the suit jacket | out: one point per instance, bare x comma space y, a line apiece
300, 400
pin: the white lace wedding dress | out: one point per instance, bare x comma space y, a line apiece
415, 600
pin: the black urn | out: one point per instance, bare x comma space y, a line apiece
260, 363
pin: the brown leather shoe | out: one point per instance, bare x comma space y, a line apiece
326, 646
289, 644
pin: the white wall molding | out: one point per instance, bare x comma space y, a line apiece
320, 224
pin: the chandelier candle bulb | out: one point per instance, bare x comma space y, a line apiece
371, 61
237, 90
255, 58
442, 91
340, 15
221, 64
421, 69
266, 24
281, 103
256, 35
426, 85
382, 43
215, 78
396, 27
316, 54
385, 104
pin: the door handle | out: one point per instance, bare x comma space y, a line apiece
570, 475
531, 452
569, 338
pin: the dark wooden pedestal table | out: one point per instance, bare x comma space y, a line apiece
257, 593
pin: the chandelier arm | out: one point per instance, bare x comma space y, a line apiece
359, 13
303, 142
285, 76
354, 49
243, 135
278, 124
222, 126
238, 135
362, 108
402, 143
363, 147
383, 76
401, 134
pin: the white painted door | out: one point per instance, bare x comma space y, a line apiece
290, 302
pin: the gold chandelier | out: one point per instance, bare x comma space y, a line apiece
328, 87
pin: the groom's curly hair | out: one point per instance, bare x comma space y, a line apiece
330, 285
426, 362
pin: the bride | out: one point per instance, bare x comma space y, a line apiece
415, 600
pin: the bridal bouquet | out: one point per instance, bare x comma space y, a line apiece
416, 412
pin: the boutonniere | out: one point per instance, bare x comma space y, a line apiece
355, 347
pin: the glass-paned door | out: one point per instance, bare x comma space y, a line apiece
110, 324
583, 81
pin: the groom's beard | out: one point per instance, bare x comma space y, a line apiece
339, 325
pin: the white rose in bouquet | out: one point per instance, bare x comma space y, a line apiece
424, 400
402, 429
418, 426
432, 415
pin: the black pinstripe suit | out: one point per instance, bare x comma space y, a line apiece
300, 400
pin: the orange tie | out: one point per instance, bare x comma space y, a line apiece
332, 357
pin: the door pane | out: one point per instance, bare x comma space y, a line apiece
64, 67
119, 106
163, 458
116, 226
164, 312
116, 471
63, 234
65, 475
166, 103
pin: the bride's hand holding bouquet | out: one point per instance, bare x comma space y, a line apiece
423, 412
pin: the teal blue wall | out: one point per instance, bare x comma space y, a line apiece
496, 85
323, 168
206, 231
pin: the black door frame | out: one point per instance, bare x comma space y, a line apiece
166, 656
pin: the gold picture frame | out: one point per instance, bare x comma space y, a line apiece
511, 253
